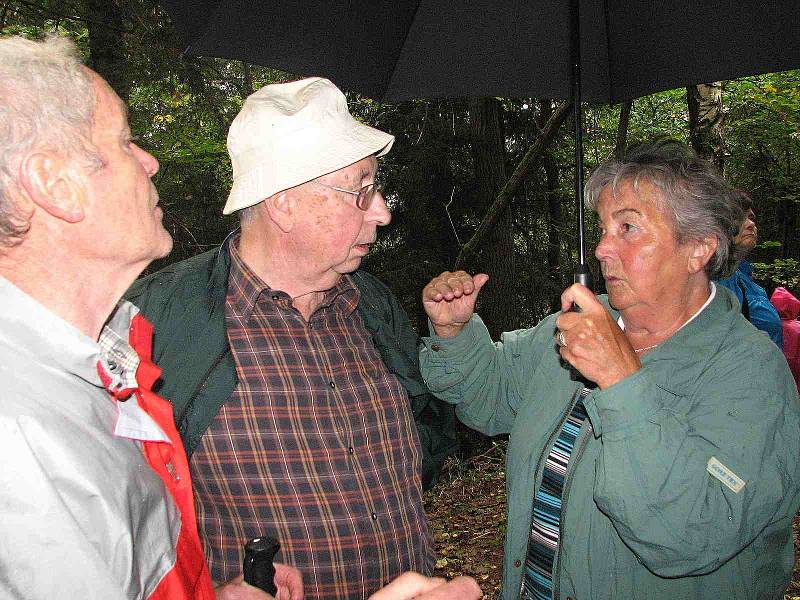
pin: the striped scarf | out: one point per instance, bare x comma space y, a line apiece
543, 541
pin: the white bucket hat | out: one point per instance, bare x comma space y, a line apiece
290, 133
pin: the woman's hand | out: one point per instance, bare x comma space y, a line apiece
412, 585
449, 300
591, 341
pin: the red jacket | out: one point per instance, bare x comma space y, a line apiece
189, 579
788, 308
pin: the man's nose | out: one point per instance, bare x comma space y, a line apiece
378, 211
148, 161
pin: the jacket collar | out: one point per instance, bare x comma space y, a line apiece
50, 340
682, 359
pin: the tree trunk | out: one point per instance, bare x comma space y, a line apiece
706, 122
622, 128
497, 259
788, 218
107, 54
532, 157
248, 79
3, 15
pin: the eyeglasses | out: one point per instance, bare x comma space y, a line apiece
363, 196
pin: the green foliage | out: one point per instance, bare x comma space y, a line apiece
784, 272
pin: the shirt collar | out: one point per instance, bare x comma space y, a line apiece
246, 289
244, 285
51, 340
711, 295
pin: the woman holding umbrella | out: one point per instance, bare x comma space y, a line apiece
654, 448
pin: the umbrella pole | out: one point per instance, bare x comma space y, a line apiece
582, 273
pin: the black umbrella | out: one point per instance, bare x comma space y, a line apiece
601, 51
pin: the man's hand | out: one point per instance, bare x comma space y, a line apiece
413, 585
449, 300
288, 580
591, 341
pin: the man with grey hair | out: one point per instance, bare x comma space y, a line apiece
94, 491
290, 370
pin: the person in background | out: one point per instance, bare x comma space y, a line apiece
755, 304
293, 374
654, 448
788, 308
95, 494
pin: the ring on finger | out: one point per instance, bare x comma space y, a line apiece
561, 341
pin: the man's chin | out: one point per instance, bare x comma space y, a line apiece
351, 264
164, 245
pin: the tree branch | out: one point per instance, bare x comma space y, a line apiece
531, 158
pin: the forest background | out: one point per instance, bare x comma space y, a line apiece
451, 160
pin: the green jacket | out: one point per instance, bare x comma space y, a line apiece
186, 304
643, 518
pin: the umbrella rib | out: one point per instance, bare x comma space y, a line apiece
607, 32
399, 52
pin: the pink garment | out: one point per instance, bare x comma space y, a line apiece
788, 308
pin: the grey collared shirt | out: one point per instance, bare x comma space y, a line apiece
82, 514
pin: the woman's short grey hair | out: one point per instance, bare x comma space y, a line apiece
694, 195
46, 102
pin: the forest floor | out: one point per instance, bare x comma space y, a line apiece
467, 510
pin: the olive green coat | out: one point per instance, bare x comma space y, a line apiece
643, 517
186, 304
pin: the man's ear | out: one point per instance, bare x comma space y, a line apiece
280, 208
701, 253
53, 184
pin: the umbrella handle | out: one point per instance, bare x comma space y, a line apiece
583, 275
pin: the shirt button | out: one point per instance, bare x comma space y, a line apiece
351, 450
374, 517
333, 385
517, 563
435, 347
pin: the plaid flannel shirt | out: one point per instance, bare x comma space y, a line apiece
316, 447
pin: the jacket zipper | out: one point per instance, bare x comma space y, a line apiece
573, 461
545, 450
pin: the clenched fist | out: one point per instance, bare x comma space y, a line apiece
449, 300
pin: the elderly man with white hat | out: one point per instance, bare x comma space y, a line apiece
289, 370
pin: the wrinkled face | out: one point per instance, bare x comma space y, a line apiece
641, 261
747, 238
122, 209
336, 234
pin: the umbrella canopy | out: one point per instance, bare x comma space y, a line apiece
395, 50
600, 51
